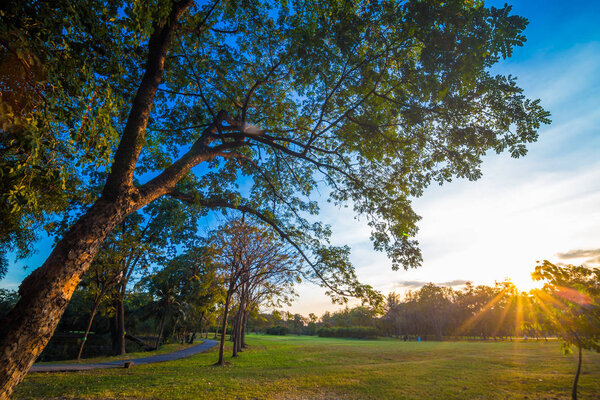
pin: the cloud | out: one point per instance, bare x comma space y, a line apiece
419, 284
455, 282
411, 284
592, 256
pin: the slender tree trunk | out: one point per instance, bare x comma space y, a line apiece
244, 323
202, 324
574, 391
120, 311
238, 328
89, 327
224, 330
235, 331
160, 329
45, 293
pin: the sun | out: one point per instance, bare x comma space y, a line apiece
525, 283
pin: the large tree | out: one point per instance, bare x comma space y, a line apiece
250, 106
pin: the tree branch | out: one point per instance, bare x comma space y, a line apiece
132, 141
271, 222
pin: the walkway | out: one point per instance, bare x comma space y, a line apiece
190, 351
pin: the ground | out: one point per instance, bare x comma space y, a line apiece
164, 349
295, 367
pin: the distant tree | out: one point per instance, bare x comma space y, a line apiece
571, 299
249, 257
141, 240
104, 274
8, 299
391, 321
311, 327
183, 290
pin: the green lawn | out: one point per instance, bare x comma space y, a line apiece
314, 368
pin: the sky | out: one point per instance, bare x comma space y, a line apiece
545, 205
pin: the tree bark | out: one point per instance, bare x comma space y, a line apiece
160, 329
192, 337
224, 331
234, 335
237, 343
244, 323
45, 294
120, 319
574, 391
89, 327
216, 329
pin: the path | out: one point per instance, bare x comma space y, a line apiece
190, 351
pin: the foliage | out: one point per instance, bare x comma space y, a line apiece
8, 299
183, 290
64, 77
433, 313
356, 332
374, 100
277, 330
571, 300
571, 297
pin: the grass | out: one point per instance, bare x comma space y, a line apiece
323, 368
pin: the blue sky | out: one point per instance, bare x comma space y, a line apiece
542, 206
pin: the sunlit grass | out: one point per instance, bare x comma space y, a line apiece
323, 368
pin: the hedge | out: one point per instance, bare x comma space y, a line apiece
358, 332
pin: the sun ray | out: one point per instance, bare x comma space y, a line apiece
542, 304
519, 315
475, 317
500, 322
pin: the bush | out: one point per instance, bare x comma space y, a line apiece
357, 332
277, 330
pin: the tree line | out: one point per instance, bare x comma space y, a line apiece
432, 312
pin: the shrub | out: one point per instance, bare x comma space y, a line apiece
357, 332
277, 330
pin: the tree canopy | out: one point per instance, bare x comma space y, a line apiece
256, 106
372, 100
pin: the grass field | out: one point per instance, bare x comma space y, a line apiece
321, 368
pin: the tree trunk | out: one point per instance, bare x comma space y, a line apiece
45, 293
574, 391
160, 329
235, 332
244, 323
89, 327
119, 342
237, 344
224, 330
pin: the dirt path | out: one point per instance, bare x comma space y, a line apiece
190, 351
